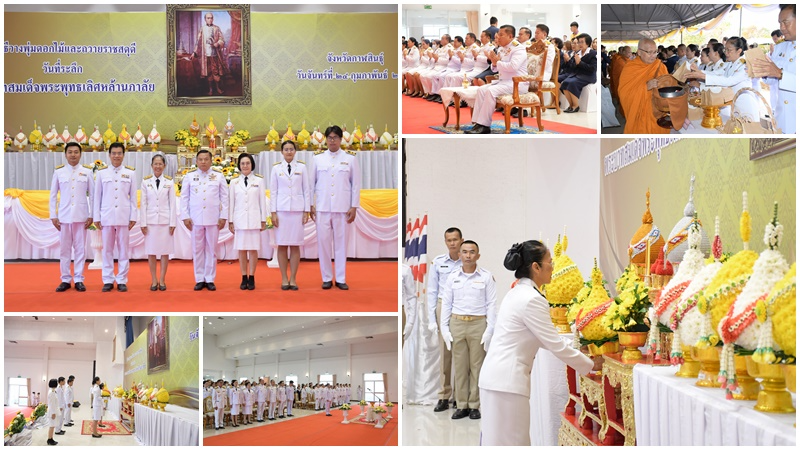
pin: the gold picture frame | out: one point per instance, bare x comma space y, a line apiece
158, 345
208, 63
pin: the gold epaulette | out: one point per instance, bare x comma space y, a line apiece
259, 176
236, 175
168, 177
350, 152
515, 43
58, 167
742, 60
88, 166
147, 177
130, 168
301, 162
192, 170
277, 163
319, 152
216, 169
103, 168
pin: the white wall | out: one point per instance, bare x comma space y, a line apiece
559, 16
504, 191
40, 364
214, 358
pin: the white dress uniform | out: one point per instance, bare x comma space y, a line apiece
290, 197
158, 214
249, 399
347, 394
735, 77
523, 327
328, 400
425, 62
62, 406
272, 392
52, 408
261, 396
248, 208
97, 402
409, 301
439, 66
455, 79
204, 199
289, 399
785, 109
481, 61
468, 309
281, 400
411, 59
69, 398
441, 267
513, 63
76, 185
236, 401
115, 207
218, 400
453, 67
341, 170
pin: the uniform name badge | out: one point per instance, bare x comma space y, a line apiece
124, 175
82, 174
344, 163
478, 284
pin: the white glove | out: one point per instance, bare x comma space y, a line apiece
432, 326
448, 338
487, 336
407, 329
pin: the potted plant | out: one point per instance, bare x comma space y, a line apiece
345, 410
627, 316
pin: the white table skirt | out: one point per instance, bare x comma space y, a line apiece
176, 426
368, 237
114, 408
468, 95
549, 395
34, 170
673, 411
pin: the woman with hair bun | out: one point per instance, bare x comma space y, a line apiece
523, 326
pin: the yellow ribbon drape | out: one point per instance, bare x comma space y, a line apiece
381, 203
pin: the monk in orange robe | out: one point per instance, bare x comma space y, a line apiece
637, 80
617, 64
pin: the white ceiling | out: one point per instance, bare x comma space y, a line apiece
57, 331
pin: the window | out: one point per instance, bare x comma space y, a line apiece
374, 389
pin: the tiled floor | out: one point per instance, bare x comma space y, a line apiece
73, 434
422, 426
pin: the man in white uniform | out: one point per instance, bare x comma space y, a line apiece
272, 396
115, 213
281, 399
62, 404
510, 61
218, 400
289, 399
204, 211
73, 214
69, 398
540, 33
334, 206
441, 57
441, 268
468, 309
261, 396
456, 57
781, 72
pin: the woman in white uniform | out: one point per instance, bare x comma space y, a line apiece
523, 326
157, 219
425, 63
248, 209
235, 402
249, 397
290, 195
411, 58
52, 410
97, 406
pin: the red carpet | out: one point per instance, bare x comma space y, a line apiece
419, 115
317, 429
30, 287
10, 411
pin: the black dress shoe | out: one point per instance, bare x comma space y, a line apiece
460, 414
51, 442
568, 110
463, 104
199, 286
108, 287
284, 287
68, 425
97, 435
342, 286
577, 109
514, 111
474, 414
63, 287
479, 129
243, 286
60, 432
211, 287
162, 287
327, 284
154, 287
441, 406
122, 287
251, 283
293, 287
516, 114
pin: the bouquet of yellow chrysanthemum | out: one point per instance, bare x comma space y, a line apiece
244, 135
191, 142
629, 309
567, 280
235, 141
181, 135
588, 314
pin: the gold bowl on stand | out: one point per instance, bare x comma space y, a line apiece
690, 368
773, 398
709, 366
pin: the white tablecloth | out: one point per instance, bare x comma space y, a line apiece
468, 95
34, 170
176, 426
549, 395
724, 114
673, 411
368, 237
113, 409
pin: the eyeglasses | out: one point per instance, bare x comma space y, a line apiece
653, 52
333, 137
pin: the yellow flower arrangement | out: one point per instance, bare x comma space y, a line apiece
181, 135
783, 301
628, 277
567, 280
235, 141
588, 319
629, 309
243, 135
217, 161
191, 142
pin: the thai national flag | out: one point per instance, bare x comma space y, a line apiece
413, 260
423, 250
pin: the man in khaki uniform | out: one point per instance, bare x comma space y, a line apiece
468, 317
441, 268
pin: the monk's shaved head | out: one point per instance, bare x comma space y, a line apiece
647, 50
625, 51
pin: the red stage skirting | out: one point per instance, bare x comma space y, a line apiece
10, 411
30, 287
316, 430
419, 115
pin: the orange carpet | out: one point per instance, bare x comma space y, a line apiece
317, 429
419, 115
10, 411
30, 287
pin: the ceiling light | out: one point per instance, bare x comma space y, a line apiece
209, 323
106, 330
